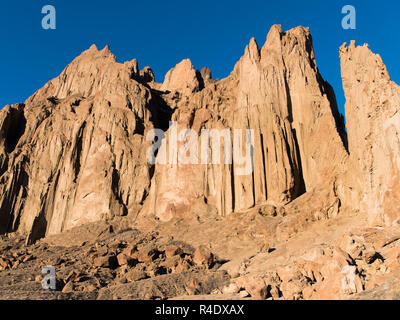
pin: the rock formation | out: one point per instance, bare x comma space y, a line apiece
276, 91
373, 124
103, 156
183, 77
75, 151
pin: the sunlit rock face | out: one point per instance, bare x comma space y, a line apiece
373, 123
299, 137
77, 150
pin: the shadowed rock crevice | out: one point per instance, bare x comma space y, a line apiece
39, 227
339, 118
263, 150
14, 127
116, 189
161, 112
12, 200
77, 151
300, 185
200, 79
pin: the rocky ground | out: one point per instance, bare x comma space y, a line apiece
126, 265
207, 258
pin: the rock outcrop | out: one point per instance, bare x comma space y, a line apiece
77, 150
373, 123
299, 137
182, 77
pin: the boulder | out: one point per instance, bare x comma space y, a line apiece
203, 257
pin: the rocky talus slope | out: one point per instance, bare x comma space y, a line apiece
316, 217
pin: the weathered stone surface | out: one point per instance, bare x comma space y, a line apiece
74, 155
255, 286
276, 91
172, 251
373, 123
108, 261
75, 151
206, 74
182, 77
203, 256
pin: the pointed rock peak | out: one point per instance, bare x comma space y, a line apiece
253, 43
373, 122
276, 29
133, 65
106, 52
185, 64
273, 41
252, 50
252, 53
106, 49
296, 42
87, 74
181, 77
275, 34
344, 46
146, 74
94, 52
206, 73
93, 48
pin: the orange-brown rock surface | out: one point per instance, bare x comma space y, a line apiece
278, 92
373, 123
321, 203
75, 151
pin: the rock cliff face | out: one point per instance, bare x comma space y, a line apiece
277, 92
373, 123
75, 152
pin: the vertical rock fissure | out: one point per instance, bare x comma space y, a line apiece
300, 186
78, 150
15, 128
338, 117
264, 165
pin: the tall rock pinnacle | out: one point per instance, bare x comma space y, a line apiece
373, 123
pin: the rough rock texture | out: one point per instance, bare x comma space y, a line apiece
315, 217
276, 91
182, 77
373, 123
75, 151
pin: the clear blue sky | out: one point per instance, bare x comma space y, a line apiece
161, 33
